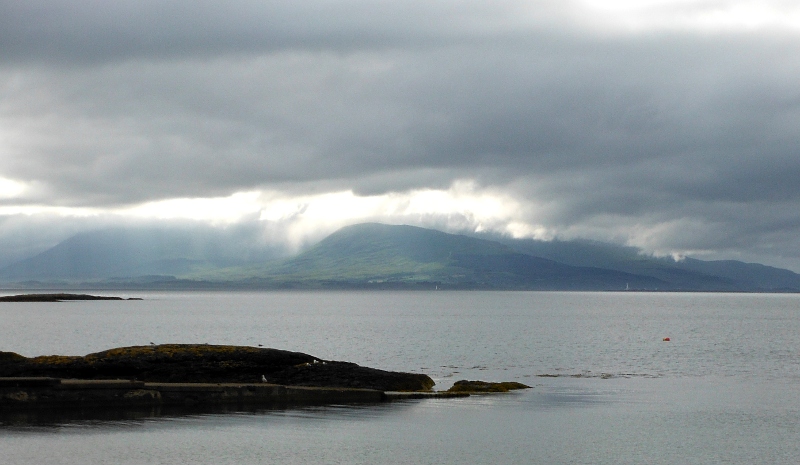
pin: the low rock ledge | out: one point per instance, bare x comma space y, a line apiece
465, 386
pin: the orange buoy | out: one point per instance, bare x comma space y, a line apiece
666, 339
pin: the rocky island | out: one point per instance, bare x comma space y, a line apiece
191, 374
202, 363
58, 297
202, 374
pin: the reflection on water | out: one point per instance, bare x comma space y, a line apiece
559, 421
129, 416
539, 397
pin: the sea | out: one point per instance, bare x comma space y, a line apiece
606, 387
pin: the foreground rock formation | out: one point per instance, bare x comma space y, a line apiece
201, 363
57, 297
172, 379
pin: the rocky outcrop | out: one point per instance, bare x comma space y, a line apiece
345, 374
483, 386
201, 363
57, 297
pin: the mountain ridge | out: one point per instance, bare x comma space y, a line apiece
409, 254
688, 272
374, 255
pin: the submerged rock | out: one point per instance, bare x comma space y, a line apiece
202, 363
484, 386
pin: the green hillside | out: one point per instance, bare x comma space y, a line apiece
376, 256
687, 274
382, 252
378, 253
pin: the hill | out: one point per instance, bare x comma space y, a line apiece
378, 256
688, 274
384, 254
137, 252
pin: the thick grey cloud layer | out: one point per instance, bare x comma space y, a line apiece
96, 31
689, 136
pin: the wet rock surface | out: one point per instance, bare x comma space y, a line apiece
484, 386
201, 363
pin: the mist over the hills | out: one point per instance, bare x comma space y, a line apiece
144, 250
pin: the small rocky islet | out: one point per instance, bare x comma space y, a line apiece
58, 297
175, 375
215, 373
202, 363
473, 387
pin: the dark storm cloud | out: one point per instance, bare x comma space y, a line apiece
98, 31
111, 103
692, 127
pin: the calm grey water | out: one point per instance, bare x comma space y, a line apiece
607, 389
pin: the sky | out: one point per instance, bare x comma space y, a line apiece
669, 125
